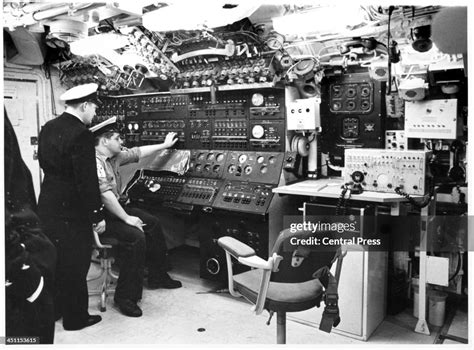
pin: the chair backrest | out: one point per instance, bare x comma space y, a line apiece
303, 254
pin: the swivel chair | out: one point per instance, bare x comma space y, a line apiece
106, 275
294, 278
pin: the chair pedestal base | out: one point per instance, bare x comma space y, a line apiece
108, 277
281, 327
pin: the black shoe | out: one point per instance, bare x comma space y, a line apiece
91, 320
128, 307
165, 281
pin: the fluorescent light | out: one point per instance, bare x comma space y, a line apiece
99, 43
327, 19
195, 15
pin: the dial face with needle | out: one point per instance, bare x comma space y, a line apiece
258, 131
257, 99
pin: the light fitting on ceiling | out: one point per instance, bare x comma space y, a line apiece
68, 30
196, 15
321, 20
99, 43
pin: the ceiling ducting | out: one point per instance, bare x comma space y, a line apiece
29, 48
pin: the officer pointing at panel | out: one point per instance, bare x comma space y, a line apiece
69, 203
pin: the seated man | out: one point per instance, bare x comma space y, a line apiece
140, 236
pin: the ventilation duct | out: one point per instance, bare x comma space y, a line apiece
31, 51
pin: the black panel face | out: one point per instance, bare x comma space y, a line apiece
155, 130
199, 133
156, 187
200, 191
244, 197
267, 135
261, 167
205, 163
352, 114
250, 230
231, 120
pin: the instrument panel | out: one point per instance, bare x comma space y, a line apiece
242, 120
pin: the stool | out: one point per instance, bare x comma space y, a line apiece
107, 276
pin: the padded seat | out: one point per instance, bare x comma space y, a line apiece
294, 278
287, 297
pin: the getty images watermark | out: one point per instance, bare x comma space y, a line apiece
325, 229
445, 233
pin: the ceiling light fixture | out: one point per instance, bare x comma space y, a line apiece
99, 43
210, 14
320, 20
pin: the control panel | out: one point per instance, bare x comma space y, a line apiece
205, 163
165, 106
382, 170
230, 133
156, 186
396, 140
436, 119
229, 120
267, 135
229, 104
351, 97
261, 167
155, 131
200, 191
199, 133
245, 197
352, 114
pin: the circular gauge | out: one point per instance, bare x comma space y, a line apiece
365, 91
216, 168
210, 156
231, 169
247, 169
258, 131
382, 180
200, 156
336, 106
260, 159
242, 158
271, 160
351, 92
198, 167
257, 99
263, 169
207, 168
220, 157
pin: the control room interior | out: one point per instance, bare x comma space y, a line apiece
285, 112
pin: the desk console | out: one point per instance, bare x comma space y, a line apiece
382, 170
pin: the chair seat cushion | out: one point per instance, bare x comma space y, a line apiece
287, 297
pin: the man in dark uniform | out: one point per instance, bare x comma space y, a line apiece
140, 234
30, 257
69, 203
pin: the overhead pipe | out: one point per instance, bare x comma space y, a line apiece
35, 7
48, 14
35, 17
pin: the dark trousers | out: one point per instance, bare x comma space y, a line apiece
31, 319
73, 241
137, 249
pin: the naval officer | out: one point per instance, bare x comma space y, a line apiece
69, 203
